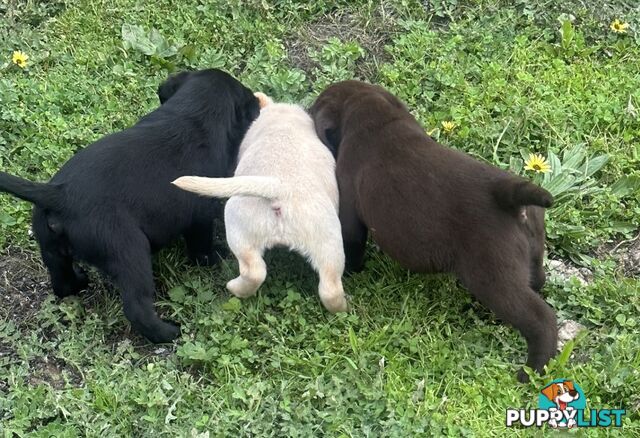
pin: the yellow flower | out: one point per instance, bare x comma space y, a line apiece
448, 126
537, 163
20, 59
618, 26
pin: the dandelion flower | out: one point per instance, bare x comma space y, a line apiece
537, 163
619, 26
20, 59
448, 126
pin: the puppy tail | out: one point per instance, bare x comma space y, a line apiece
41, 194
261, 186
516, 192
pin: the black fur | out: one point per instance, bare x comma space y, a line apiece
111, 205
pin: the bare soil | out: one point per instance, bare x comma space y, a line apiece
24, 284
371, 36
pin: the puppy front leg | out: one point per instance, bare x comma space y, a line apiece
354, 234
200, 247
66, 279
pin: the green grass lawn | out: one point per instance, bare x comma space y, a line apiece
416, 356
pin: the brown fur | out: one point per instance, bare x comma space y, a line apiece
435, 209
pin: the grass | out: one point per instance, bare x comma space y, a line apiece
416, 355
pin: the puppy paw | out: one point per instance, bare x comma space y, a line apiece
353, 268
204, 259
221, 251
82, 279
522, 376
335, 304
212, 258
66, 291
240, 288
162, 332
72, 285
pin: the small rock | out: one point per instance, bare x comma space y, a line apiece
161, 350
630, 259
567, 331
560, 270
418, 394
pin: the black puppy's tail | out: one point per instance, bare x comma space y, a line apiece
513, 193
41, 194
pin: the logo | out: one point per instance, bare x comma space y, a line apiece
562, 397
562, 404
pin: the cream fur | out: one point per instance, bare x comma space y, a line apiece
263, 99
284, 192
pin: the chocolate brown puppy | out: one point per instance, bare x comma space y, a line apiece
435, 209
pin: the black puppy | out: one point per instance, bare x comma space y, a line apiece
112, 204
435, 209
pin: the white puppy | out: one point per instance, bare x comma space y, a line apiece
283, 192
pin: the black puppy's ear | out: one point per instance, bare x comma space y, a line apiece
249, 110
171, 85
325, 121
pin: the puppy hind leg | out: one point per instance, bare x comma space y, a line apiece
131, 272
253, 272
328, 261
330, 289
518, 305
354, 233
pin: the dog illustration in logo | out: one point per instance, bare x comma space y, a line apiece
561, 393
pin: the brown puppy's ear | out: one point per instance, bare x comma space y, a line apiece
395, 101
169, 87
550, 391
327, 129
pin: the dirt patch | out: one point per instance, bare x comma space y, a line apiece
371, 35
54, 372
7, 355
24, 284
626, 253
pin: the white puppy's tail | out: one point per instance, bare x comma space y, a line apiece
261, 186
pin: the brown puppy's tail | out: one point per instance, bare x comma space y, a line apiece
514, 193
41, 194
